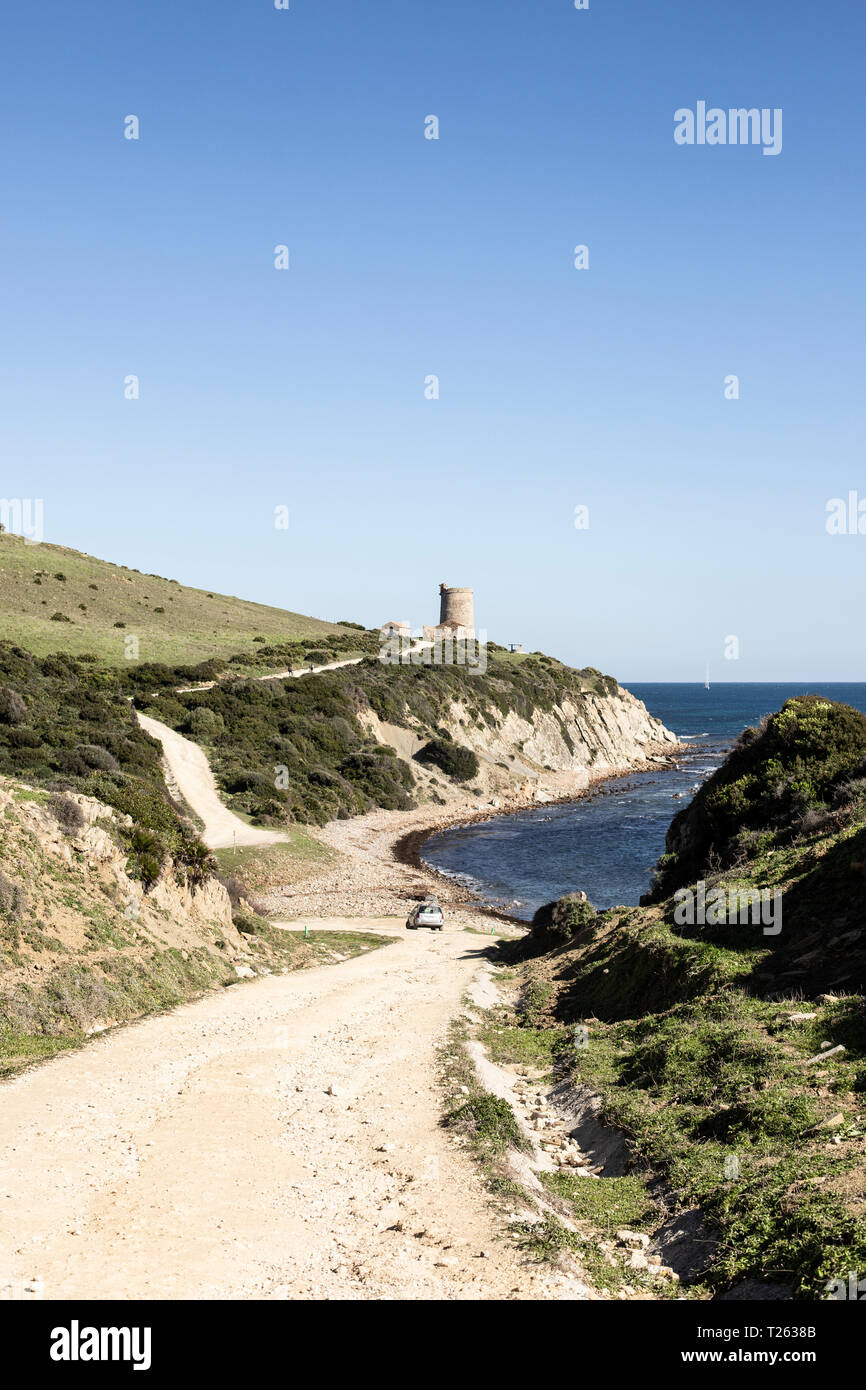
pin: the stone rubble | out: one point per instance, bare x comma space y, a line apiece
536, 1115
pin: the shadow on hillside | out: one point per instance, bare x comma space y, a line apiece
822, 945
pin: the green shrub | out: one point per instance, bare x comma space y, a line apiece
562, 919
489, 1121
98, 758
23, 738
451, 758
145, 856
793, 764
204, 722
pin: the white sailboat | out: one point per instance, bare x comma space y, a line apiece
707, 681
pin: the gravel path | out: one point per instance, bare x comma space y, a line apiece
278, 1139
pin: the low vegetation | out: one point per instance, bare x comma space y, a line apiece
486, 1123
452, 758
66, 726
261, 866
299, 750
801, 768
489, 1122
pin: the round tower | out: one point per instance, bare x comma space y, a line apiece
457, 607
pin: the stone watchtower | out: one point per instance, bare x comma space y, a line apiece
457, 609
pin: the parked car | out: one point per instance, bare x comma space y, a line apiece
426, 914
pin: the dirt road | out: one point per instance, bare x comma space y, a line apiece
278, 1139
295, 674
190, 772
277, 675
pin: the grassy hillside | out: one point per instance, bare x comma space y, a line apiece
100, 605
707, 1042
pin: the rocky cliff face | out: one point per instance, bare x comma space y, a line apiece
604, 734
555, 752
96, 854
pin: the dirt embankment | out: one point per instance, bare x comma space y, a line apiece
77, 896
84, 944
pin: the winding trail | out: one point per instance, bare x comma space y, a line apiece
276, 1140
278, 675
191, 773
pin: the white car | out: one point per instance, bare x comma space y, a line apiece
426, 914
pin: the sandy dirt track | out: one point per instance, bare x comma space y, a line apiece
190, 770
277, 675
278, 1139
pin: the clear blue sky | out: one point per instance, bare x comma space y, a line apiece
411, 257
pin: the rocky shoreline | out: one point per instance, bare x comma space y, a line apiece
381, 872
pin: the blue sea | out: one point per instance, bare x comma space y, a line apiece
607, 843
